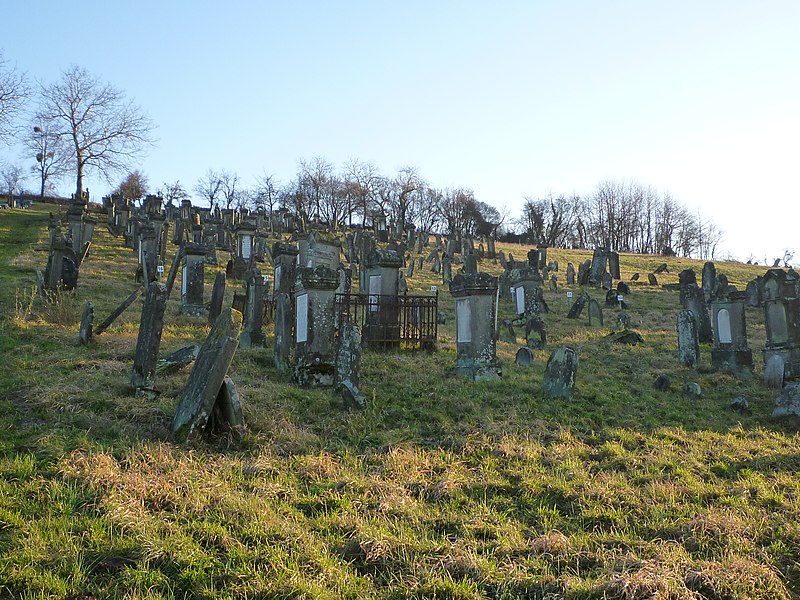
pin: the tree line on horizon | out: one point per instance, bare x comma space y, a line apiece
80, 124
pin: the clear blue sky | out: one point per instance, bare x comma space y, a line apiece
511, 99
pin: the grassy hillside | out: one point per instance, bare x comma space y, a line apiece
441, 488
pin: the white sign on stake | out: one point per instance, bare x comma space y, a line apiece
569, 295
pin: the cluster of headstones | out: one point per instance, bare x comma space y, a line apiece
67, 250
715, 312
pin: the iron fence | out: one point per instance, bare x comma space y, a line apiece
387, 322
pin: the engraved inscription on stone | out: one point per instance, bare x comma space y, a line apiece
463, 325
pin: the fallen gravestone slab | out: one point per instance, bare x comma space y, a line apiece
207, 376
661, 268
117, 312
692, 389
177, 360
626, 336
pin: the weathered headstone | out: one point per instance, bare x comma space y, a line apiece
774, 370
524, 357
595, 312
535, 334
598, 266
788, 403
686, 278
117, 312
730, 352
560, 373
149, 340
613, 265
253, 315
177, 360
688, 342
695, 301
651, 279
475, 326
709, 278
570, 274
348, 355
202, 391
782, 319
217, 297
314, 338
623, 321
578, 306
87, 322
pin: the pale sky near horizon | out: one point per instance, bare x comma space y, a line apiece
510, 99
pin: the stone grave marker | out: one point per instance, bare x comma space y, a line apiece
217, 297
695, 301
535, 334
177, 360
578, 306
252, 334
595, 312
204, 389
560, 373
788, 403
149, 340
709, 279
651, 279
774, 370
87, 322
476, 347
730, 352
524, 357
688, 341
570, 274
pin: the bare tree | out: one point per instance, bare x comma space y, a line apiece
12, 177
105, 129
209, 186
266, 193
229, 183
134, 186
173, 193
13, 93
51, 152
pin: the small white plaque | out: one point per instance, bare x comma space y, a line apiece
620, 297
247, 246
569, 295
277, 276
520, 300
301, 322
434, 288
463, 324
160, 268
374, 292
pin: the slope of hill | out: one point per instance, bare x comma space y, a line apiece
440, 488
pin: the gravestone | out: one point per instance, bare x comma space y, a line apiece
560, 373
584, 269
570, 274
709, 279
623, 288
87, 322
623, 321
635, 277
507, 333
613, 265
688, 342
282, 346
782, 319
595, 312
470, 263
117, 312
202, 394
774, 370
788, 403
345, 280
686, 278
524, 357
577, 307
535, 334
661, 268
474, 296
348, 355
753, 291
695, 301
149, 340
382, 323
606, 282
410, 271
245, 234
526, 283
177, 360
598, 266
252, 334
730, 352
651, 279
553, 283
447, 270
217, 297
193, 280
314, 337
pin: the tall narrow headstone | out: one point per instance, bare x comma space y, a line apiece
688, 342
217, 297
476, 347
149, 340
253, 316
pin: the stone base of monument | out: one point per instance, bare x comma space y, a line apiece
315, 374
791, 360
195, 310
737, 362
479, 371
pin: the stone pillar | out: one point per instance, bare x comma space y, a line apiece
688, 344
315, 326
476, 354
252, 334
193, 280
382, 275
148, 253
284, 259
730, 352
695, 301
613, 265
149, 340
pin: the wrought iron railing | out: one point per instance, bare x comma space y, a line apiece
387, 322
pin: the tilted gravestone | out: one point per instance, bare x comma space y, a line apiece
202, 391
177, 360
149, 340
688, 342
584, 269
709, 279
87, 322
560, 373
598, 266
283, 331
217, 297
578, 306
651, 279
